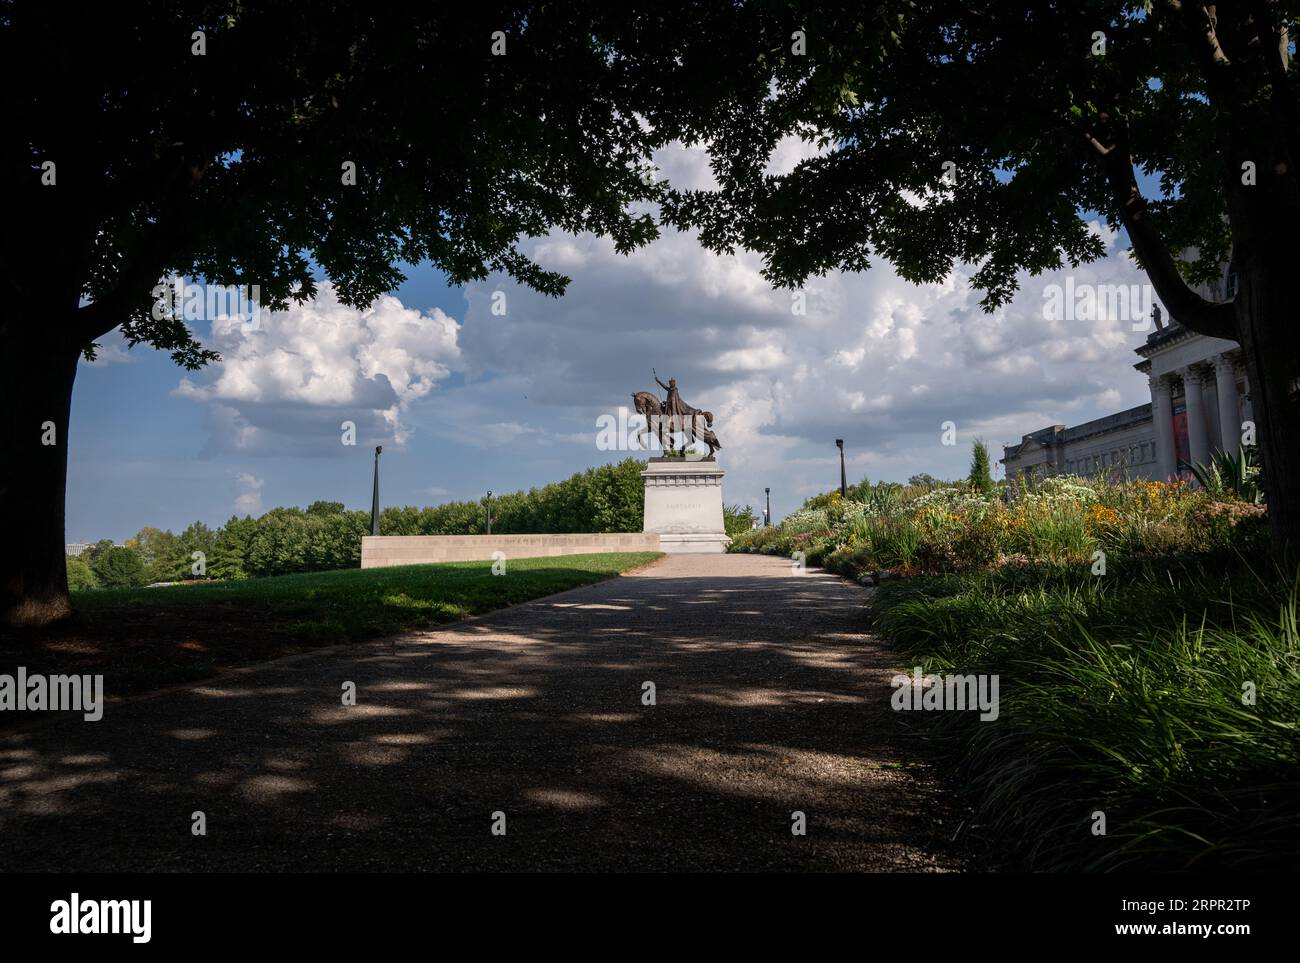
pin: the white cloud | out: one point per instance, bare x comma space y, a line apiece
249, 499
290, 385
112, 350
790, 152
874, 360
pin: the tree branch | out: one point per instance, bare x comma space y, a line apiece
168, 239
144, 271
1211, 318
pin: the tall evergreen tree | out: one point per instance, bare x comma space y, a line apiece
980, 479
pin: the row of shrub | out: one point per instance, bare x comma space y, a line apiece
325, 536
906, 530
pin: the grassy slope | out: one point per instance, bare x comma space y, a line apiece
146, 638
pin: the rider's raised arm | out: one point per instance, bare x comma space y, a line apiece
660, 383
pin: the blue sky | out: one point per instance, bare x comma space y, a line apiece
465, 400
141, 456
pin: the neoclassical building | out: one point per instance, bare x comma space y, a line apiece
1200, 400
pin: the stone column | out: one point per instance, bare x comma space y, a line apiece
1225, 380
1248, 405
1162, 420
1198, 445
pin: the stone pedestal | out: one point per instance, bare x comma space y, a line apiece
683, 505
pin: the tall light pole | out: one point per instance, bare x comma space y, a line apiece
488, 503
767, 515
844, 482
374, 503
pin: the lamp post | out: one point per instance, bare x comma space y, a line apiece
488, 504
844, 482
374, 503
767, 514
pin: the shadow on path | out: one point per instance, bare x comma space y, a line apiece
770, 699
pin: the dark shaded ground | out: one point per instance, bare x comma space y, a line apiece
144, 639
770, 699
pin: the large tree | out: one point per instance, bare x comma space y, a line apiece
984, 133
136, 150
215, 141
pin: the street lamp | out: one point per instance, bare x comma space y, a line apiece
374, 504
767, 515
488, 504
844, 482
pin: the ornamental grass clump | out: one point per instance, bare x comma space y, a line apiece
1164, 700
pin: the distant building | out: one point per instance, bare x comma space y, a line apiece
1200, 397
73, 549
1124, 440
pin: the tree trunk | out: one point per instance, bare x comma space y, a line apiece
1270, 343
35, 398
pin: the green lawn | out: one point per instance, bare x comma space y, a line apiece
145, 638
355, 604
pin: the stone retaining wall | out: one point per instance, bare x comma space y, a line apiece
378, 551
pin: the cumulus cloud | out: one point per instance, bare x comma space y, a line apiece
248, 501
291, 384
868, 357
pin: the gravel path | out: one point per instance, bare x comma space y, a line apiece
770, 699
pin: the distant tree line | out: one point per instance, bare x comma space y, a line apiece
325, 535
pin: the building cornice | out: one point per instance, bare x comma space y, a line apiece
1165, 338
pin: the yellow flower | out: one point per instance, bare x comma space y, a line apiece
1101, 515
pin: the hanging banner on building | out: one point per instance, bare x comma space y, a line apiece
1182, 449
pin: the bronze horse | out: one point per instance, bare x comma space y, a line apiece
700, 424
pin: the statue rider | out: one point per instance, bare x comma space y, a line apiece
674, 405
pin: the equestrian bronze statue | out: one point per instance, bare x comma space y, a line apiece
673, 416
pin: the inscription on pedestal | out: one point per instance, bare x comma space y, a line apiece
683, 505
